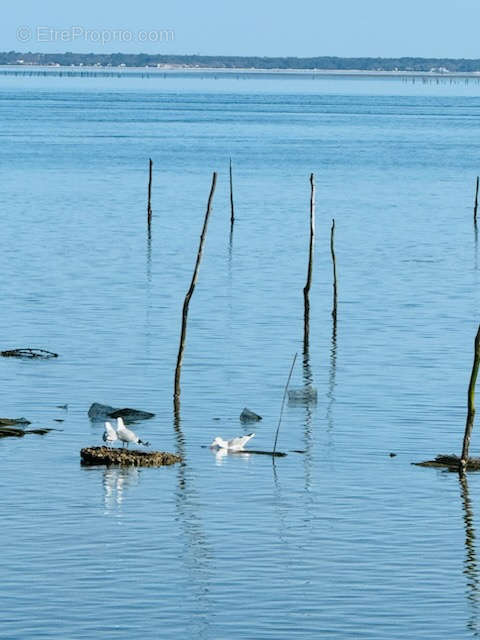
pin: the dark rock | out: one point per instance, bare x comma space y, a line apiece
249, 416
40, 432
42, 354
9, 422
110, 456
100, 412
6, 432
131, 415
450, 462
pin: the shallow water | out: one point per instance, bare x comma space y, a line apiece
342, 541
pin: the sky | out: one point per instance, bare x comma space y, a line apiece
426, 28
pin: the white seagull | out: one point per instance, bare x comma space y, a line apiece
109, 435
125, 435
235, 444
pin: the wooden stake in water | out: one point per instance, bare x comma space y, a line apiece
475, 206
332, 250
232, 209
283, 403
149, 206
471, 402
306, 289
186, 303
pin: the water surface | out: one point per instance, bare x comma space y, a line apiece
342, 541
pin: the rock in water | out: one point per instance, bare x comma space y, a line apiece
131, 415
249, 416
110, 456
100, 412
9, 422
303, 395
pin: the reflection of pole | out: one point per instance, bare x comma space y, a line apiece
180, 448
190, 291
471, 569
471, 402
196, 558
332, 375
306, 289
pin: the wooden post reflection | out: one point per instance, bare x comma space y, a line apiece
470, 564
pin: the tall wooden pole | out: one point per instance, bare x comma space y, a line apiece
475, 206
306, 289
232, 208
149, 206
178, 369
471, 402
332, 250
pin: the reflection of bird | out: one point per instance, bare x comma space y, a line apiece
126, 435
116, 481
235, 444
109, 435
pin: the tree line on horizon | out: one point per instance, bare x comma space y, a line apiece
243, 62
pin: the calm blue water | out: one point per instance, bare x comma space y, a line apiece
339, 542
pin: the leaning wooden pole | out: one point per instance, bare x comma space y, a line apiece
475, 206
149, 206
176, 393
232, 208
332, 251
306, 289
471, 402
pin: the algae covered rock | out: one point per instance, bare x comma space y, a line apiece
110, 456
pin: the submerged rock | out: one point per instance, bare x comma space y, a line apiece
110, 456
249, 416
302, 395
15, 432
131, 415
100, 412
6, 432
8, 422
43, 354
450, 462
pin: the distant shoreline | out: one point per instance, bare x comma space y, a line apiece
252, 64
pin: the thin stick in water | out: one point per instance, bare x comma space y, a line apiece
475, 207
332, 250
149, 206
471, 402
283, 404
186, 303
232, 209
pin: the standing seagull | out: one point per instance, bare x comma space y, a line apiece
109, 435
235, 444
125, 435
